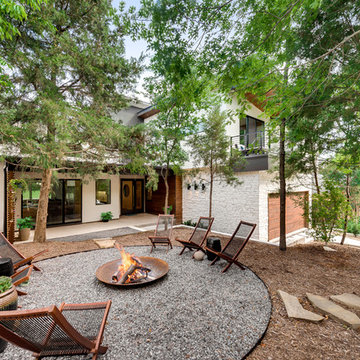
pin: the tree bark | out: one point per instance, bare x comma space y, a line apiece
42, 211
166, 190
347, 191
211, 190
315, 171
282, 187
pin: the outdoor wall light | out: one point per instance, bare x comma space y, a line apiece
189, 186
203, 187
196, 186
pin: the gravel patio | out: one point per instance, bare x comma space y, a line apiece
301, 269
195, 312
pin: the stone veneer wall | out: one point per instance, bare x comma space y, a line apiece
230, 204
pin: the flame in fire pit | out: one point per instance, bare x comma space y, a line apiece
130, 270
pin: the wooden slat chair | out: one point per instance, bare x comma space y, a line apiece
235, 245
20, 277
8, 250
71, 329
163, 231
198, 236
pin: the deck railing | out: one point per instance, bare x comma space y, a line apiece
250, 142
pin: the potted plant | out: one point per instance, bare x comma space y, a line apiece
106, 216
8, 300
169, 209
24, 225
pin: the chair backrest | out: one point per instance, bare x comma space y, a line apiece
7, 250
164, 226
238, 239
201, 230
41, 330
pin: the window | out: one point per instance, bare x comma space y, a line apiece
30, 198
103, 191
251, 133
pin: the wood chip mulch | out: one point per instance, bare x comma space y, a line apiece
298, 270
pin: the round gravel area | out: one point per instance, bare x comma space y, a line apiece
195, 312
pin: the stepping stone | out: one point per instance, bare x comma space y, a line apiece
295, 310
104, 243
327, 248
335, 311
350, 300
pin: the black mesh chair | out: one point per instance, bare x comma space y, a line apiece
198, 236
71, 329
8, 250
163, 231
235, 245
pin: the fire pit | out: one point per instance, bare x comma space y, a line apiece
131, 270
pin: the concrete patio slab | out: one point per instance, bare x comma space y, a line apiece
295, 310
134, 221
335, 311
349, 300
97, 234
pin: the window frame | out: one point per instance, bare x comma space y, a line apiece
109, 192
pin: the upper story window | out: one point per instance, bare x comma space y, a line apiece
103, 191
251, 134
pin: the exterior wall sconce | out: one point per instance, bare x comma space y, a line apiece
196, 186
188, 186
203, 187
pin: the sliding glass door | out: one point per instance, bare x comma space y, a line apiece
64, 201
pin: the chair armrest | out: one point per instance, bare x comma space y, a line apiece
39, 253
211, 250
23, 262
159, 237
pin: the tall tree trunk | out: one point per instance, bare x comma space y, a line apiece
315, 172
347, 191
211, 190
166, 190
42, 211
282, 187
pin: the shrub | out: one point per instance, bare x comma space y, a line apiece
353, 227
5, 284
327, 207
25, 223
106, 216
189, 223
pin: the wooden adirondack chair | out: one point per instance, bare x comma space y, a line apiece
198, 236
235, 245
20, 277
163, 231
71, 329
8, 250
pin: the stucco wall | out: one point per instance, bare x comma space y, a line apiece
90, 211
251, 110
230, 204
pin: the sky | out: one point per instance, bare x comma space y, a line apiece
134, 49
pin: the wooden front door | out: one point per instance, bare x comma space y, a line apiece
132, 196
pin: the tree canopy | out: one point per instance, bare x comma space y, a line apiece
70, 74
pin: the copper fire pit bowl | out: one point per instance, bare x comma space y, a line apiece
159, 268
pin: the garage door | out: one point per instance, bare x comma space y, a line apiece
294, 212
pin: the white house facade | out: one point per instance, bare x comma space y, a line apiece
256, 199
80, 200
